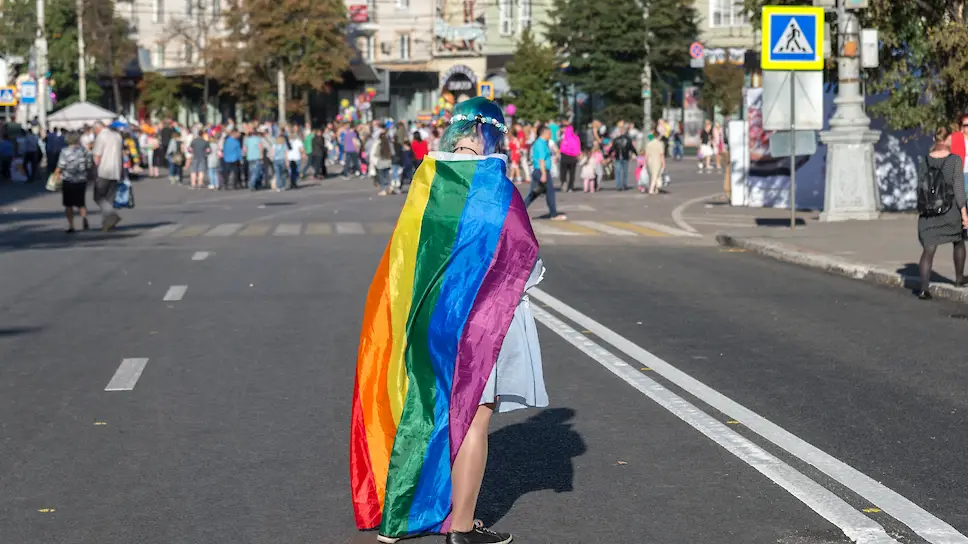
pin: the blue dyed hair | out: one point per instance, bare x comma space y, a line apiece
475, 109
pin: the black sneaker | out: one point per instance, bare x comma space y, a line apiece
479, 535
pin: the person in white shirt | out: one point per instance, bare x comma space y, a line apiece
108, 158
295, 157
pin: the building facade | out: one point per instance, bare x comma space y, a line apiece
508, 20
723, 24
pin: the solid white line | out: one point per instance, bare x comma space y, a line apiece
349, 228
854, 524
162, 230
127, 374
677, 212
200, 255
666, 229
288, 229
548, 230
919, 520
225, 229
175, 293
602, 227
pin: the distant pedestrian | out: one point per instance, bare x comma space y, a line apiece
382, 162
108, 158
74, 164
213, 159
6, 156
198, 160
296, 154
621, 152
232, 159
655, 162
541, 181
279, 151
941, 210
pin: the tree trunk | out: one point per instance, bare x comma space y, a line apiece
205, 92
309, 109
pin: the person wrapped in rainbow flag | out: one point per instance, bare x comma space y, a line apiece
448, 338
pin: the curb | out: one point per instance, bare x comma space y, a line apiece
836, 265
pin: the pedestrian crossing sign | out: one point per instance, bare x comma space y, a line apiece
7, 96
792, 38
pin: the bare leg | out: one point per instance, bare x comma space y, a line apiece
468, 471
69, 213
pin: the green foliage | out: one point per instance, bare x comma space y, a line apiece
17, 26
304, 38
61, 20
723, 87
604, 44
923, 63
531, 76
159, 94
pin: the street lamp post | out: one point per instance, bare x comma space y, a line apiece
851, 190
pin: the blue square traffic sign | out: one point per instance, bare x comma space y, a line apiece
7, 96
792, 38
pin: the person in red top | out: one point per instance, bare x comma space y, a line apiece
419, 148
956, 143
514, 150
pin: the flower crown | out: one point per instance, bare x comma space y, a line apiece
482, 120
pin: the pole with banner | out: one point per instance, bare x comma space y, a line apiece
792, 54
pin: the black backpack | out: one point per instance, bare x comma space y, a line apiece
935, 197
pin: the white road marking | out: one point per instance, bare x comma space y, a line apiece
603, 228
575, 208
288, 229
922, 522
162, 230
225, 229
127, 374
349, 228
853, 523
666, 229
175, 293
677, 212
200, 255
546, 229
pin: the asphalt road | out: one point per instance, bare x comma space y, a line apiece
236, 431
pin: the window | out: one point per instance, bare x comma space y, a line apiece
726, 13
369, 48
403, 4
524, 15
160, 55
403, 46
504, 16
371, 11
189, 53
158, 13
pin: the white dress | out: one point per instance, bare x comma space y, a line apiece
517, 380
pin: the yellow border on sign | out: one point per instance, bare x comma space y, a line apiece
768, 64
490, 88
13, 91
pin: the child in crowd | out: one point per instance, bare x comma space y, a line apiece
589, 170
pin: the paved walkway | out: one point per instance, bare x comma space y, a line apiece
883, 251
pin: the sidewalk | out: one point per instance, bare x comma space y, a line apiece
884, 251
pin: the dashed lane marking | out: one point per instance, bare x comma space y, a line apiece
255, 229
349, 228
127, 374
225, 229
644, 231
162, 230
175, 293
545, 229
604, 228
319, 228
200, 255
191, 231
575, 228
288, 229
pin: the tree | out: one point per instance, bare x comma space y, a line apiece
193, 29
605, 45
108, 42
923, 72
18, 26
304, 38
672, 26
531, 75
723, 87
159, 94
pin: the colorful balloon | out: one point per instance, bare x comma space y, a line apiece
511, 109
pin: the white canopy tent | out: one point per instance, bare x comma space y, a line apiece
79, 114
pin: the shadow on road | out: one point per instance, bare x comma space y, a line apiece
527, 457
37, 237
17, 331
11, 193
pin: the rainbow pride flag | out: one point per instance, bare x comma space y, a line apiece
436, 315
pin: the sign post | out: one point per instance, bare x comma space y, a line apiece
792, 42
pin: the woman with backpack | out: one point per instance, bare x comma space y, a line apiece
942, 218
